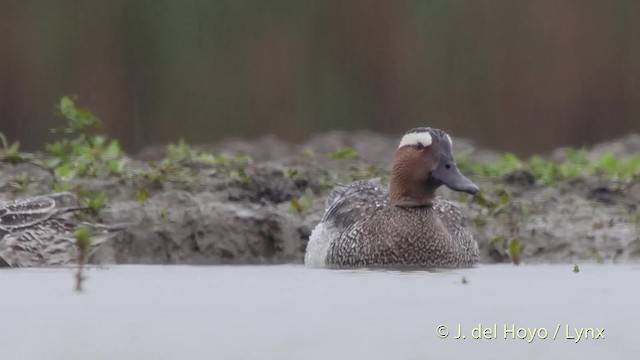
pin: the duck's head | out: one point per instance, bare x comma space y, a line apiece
424, 161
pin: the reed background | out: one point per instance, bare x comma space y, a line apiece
524, 76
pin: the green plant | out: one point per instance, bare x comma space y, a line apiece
21, 183
142, 195
11, 153
95, 200
302, 203
548, 172
84, 154
164, 215
495, 203
346, 152
515, 251
290, 172
181, 159
83, 245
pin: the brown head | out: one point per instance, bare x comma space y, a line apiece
424, 161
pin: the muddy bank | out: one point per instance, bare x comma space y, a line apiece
262, 211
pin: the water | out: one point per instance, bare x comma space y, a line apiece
290, 312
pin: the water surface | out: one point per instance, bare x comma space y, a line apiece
290, 312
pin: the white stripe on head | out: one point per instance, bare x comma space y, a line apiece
450, 141
423, 138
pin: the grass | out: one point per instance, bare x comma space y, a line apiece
10, 153
548, 172
346, 152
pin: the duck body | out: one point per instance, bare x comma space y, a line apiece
368, 225
40, 231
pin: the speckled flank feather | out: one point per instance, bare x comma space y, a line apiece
368, 233
40, 231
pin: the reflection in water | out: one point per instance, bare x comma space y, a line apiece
290, 312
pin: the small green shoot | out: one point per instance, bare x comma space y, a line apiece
496, 203
83, 245
164, 215
515, 251
308, 154
346, 152
79, 120
299, 205
180, 152
576, 269
291, 172
142, 196
96, 200
11, 153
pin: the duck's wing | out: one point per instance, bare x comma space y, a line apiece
27, 212
349, 204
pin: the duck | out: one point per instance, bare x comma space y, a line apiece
40, 231
366, 225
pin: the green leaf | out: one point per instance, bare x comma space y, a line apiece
577, 156
67, 108
497, 240
65, 172
294, 206
344, 153
607, 164
504, 199
83, 238
142, 196
510, 162
302, 203
113, 150
96, 200
98, 141
290, 172
515, 251
480, 199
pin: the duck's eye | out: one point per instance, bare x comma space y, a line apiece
419, 145
448, 166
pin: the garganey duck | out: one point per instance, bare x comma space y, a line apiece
366, 225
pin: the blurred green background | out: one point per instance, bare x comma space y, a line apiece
526, 76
